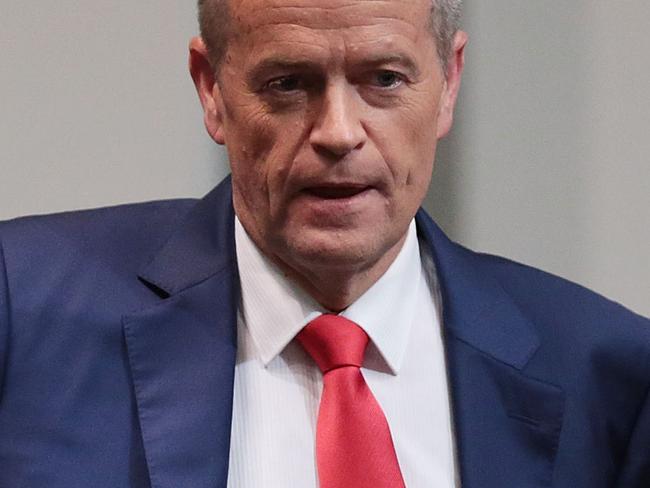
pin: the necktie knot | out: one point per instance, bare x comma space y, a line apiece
334, 342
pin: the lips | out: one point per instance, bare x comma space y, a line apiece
339, 191
339, 205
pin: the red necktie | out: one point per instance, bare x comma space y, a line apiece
354, 448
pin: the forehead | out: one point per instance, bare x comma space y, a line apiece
355, 22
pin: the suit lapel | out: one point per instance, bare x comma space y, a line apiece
507, 424
182, 349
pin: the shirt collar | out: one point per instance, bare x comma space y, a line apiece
274, 309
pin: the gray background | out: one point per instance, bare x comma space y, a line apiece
547, 164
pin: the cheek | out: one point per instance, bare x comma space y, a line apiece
262, 149
407, 140
249, 132
248, 142
422, 149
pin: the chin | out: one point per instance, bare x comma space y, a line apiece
335, 250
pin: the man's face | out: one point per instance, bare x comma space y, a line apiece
330, 111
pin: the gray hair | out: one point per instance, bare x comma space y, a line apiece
217, 26
445, 22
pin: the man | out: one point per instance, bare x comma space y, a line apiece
186, 343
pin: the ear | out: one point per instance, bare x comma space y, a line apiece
207, 88
455, 66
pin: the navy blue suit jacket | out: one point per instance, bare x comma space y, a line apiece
117, 356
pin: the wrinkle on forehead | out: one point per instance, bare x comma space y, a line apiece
328, 29
354, 38
324, 15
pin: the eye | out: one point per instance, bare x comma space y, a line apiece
285, 84
388, 79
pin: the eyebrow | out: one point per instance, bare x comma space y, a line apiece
280, 63
283, 63
401, 59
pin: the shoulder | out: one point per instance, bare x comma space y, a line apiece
124, 230
97, 220
46, 259
540, 295
585, 338
543, 293
579, 331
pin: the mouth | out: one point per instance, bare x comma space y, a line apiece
337, 191
338, 205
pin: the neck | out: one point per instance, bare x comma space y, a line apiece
337, 287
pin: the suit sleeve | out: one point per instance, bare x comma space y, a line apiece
4, 319
635, 472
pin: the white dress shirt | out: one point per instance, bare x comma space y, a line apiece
278, 386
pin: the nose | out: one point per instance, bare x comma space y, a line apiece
338, 130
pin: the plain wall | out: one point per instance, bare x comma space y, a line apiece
549, 160
97, 106
547, 163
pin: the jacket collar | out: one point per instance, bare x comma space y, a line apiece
203, 245
507, 424
182, 350
476, 308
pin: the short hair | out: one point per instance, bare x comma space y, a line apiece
216, 27
445, 22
